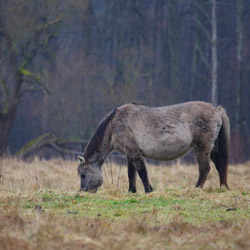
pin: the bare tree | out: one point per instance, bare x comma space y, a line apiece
24, 35
214, 71
105, 53
238, 115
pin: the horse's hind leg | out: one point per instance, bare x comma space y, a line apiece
216, 160
142, 171
204, 166
131, 177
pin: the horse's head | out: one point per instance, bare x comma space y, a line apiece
90, 175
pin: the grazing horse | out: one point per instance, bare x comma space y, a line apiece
160, 133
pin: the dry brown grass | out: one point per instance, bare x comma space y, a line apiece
24, 226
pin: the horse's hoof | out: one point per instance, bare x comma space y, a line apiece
150, 190
133, 190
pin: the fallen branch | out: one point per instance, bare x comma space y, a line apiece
50, 141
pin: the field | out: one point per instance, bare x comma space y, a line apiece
40, 208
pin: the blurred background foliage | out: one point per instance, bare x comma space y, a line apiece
65, 63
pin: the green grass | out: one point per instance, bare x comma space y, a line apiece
194, 206
40, 208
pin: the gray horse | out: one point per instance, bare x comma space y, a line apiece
160, 133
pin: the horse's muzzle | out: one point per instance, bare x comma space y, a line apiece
90, 190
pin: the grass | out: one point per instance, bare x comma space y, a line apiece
40, 208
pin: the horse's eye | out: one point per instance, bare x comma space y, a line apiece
83, 176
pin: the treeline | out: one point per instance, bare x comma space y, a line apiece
66, 63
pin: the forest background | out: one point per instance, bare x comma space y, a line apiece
65, 63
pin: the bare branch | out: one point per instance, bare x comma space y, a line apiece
32, 89
57, 20
203, 29
203, 56
39, 83
202, 11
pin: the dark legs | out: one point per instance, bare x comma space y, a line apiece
221, 168
204, 166
139, 165
131, 177
203, 158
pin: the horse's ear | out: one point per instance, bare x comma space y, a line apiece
81, 160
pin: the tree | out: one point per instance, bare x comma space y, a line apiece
173, 34
238, 115
214, 71
25, 32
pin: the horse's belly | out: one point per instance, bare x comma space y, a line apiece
167, 147
167, 153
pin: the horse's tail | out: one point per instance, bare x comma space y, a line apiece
220, 153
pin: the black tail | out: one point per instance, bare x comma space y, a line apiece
220, 152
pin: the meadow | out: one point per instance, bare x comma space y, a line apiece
41, 208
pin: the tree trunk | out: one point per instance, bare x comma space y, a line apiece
8, 117
173, 37
214, 76
238, 115
155, 34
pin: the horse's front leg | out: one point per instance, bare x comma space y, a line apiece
131, 177
142, 171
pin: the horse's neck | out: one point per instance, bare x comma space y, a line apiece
105, 148
102, 151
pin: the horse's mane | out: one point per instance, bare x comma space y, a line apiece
97, 137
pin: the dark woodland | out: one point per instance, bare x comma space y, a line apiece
64, 64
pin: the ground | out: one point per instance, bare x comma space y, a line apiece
40, 208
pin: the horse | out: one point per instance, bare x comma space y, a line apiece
160, 133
